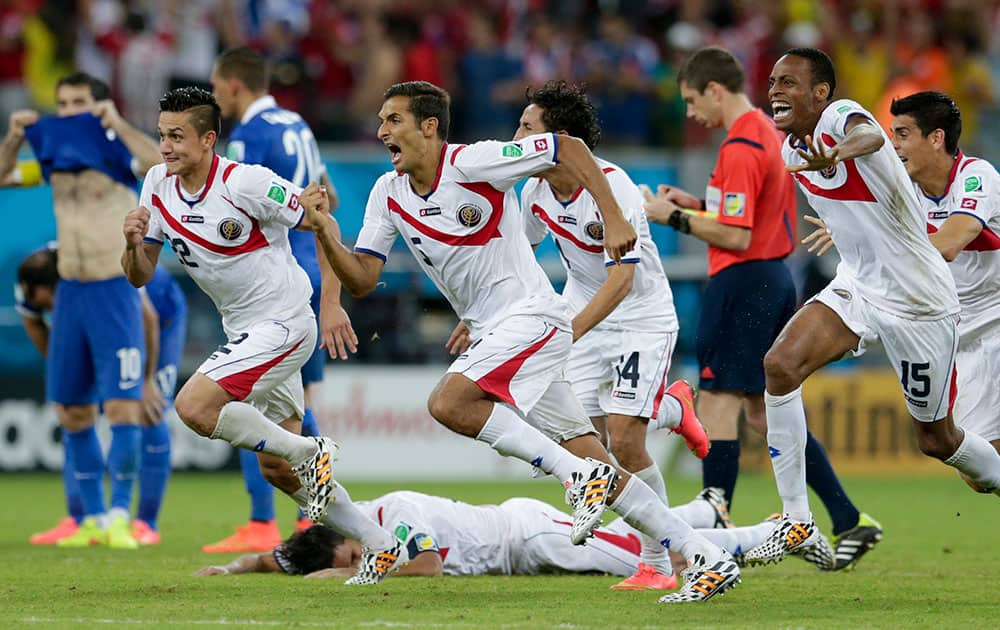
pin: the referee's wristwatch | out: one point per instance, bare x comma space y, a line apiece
679, 220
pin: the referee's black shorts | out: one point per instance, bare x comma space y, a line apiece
744, 308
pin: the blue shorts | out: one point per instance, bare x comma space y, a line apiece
744, 308
172, 333
96, 345
312, 371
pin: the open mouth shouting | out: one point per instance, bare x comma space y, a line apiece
395, 153
782, 112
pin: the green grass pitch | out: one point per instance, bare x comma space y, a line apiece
939, 566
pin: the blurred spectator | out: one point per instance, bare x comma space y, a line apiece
379, 65
143, 72
863, 57
13, 93
972, 83
491, 95
49, 42
198, 29
329, 50
98, 37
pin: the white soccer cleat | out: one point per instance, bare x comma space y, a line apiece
702, 581
787, 538
375, 565
589, 497
316, 476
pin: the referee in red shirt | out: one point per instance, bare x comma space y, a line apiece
748, 220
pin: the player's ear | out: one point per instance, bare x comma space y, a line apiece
822, 91
429, 127
936, 137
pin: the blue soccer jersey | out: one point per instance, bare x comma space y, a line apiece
280, 140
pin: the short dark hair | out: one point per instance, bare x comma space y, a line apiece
932, 110
821, 66
426, 101
38, 269
245, 64
205, 113
567, 108
312, 549
98, 89
712, 63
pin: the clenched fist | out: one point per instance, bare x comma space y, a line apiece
316, 203
136, 226
19, 120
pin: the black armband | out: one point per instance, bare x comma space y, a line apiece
679, 220
701, 205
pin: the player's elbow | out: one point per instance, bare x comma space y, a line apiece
739, 241
360, 289
950, 253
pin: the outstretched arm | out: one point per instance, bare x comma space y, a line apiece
357, 271
619, 235
252, 563
863, 138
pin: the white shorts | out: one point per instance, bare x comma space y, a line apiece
978, 406
517, 361
260, 365
621, 372
539, 543
922, 352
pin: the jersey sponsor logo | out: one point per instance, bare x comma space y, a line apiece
914, 401
541, 144
973, 183
192, 218
939, 214
512, 150
565, 219
293, 201
402, 531
623, 395
844, 108
595, 230
469, 215
735, 205
276, 192
230, 229
430, 212
970, 204
842, 294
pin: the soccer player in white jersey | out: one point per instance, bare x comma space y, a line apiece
624, 324
456, 209
520, 536
228, 224
958, 193
891, 286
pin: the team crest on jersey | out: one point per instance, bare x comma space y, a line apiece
829, 172
973, 183
595, 230
562, 218
735, 205
469, 215
230, 229
276, 192
842, 294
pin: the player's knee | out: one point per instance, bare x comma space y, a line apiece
627, 449
937, 444
444, 409
76, 418
781, 372
201, 418
123, 411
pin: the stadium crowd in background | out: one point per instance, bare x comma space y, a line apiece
332, 59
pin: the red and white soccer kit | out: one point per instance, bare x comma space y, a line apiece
518, 537
891, 285
467, 236
619, 366
973, 189
232, 239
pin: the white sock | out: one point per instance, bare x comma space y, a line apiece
740, 539
670, 414
698, 513
643, 510
243, 426
978, 459
653, 553
786, 440
345, 517
509, 434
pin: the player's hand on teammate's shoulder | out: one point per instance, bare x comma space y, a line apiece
337, 333
816, 156
658, 207
820, 237
107, 112
20, 119
136, 226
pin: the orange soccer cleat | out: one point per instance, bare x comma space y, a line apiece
255, 536
144, 534
647, 578
64, 529
690, 427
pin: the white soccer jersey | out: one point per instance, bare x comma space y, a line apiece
466, 233
973, 189
232, 238
578, 231
873, 215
